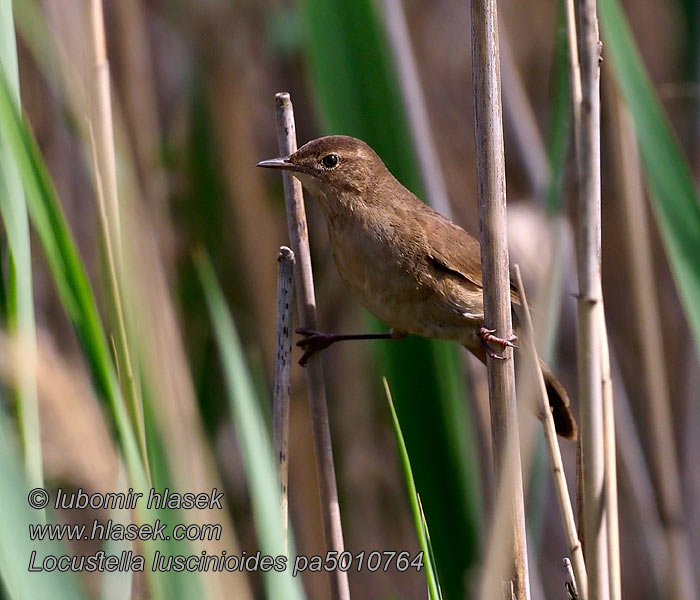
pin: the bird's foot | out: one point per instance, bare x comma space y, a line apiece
313, 341
487, 335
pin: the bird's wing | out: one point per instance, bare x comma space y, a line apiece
453, 250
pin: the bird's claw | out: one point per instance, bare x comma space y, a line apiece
487, 335
313, 341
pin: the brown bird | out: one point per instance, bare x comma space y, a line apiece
411, 267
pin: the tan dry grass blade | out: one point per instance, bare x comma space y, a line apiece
101, 136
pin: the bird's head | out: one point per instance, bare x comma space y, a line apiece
336, 168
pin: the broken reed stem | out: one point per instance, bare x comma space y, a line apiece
544, 413
587, 130
306, 302
496, 280
571, 587
414, 106
104, 163
283, 376
648, 322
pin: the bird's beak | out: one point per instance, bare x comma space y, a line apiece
276, 163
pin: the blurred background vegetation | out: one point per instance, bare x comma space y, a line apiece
193, 87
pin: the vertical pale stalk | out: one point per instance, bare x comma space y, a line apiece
586, 81
306, 302
414, 105
495, 269
283, 376
544, 413
20, 294
110, 221
662, 449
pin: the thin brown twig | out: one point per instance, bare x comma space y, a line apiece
495, 269
283, 376
544, 413
306, 301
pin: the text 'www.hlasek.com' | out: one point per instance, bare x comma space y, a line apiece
170, 541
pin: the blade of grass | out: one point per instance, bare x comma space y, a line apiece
102, 143
434, 592
123, 354
253, 438
20, 296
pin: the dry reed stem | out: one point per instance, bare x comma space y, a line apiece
283, 376
587, 130
662, 450
495, 270
544, 413
415, 107
306, 301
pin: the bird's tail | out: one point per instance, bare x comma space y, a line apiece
564, 421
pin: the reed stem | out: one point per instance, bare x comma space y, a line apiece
306, 302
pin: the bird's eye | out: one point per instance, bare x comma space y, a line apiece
330, 161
